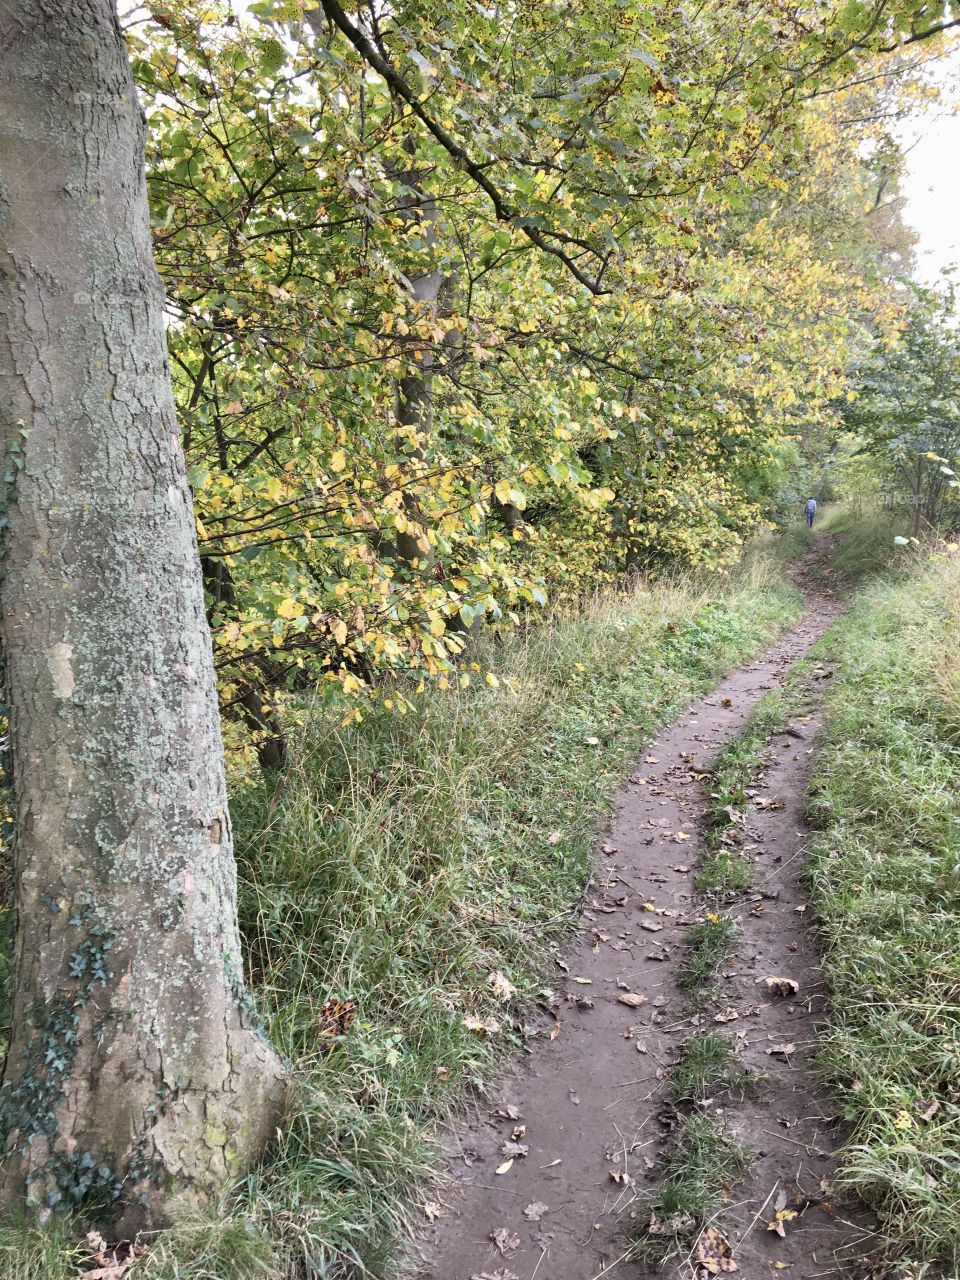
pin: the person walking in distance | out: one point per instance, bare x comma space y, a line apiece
811, 511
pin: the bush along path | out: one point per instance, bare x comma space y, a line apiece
667, 1119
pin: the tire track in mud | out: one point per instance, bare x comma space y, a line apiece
583, 1114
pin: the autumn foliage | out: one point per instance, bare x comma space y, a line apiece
472, 311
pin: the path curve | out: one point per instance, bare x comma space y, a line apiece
588, 1101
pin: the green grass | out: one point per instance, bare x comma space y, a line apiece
723, 872
404, 860
703, 1160
865, 543
708, 1067
706, 947
885, 882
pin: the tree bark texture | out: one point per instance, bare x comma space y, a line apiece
135, 1080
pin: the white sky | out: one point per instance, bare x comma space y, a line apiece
932, 182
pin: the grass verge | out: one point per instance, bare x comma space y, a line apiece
427, 866
863, 543
885, 883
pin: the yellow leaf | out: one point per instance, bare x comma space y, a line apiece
289, 609
338, 460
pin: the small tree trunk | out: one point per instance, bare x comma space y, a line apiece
134, 1080
255, 691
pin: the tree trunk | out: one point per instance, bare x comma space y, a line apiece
135, 1081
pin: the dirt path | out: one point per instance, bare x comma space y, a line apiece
595, 1121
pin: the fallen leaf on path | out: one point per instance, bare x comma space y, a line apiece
765, 803
782, 1050
515, 1150
728, 1015
726, 702
714, 1252
582, 1002
555, 1031
776, 1223
505, 1167
651, 926
780, 986
535, 1211
432, 1210
631, 999
503, 1239
502, 1274
509, 1113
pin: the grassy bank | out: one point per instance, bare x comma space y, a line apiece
885, 878
426, 867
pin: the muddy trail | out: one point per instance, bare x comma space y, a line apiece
552, 1172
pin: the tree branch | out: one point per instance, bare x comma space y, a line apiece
334, 13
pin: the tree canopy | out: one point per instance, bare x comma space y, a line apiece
475, 309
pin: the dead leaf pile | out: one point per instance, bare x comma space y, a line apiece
482, 1026
501, 986
504, 1239
111, 1263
